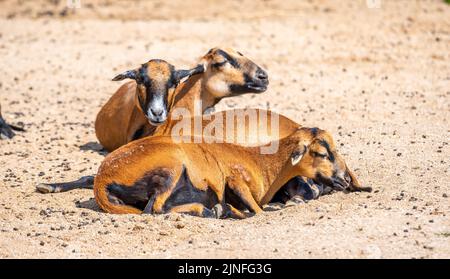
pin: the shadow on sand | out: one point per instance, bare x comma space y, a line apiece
94, 146
89, 204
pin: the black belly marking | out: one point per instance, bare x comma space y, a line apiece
185, 192
138, 194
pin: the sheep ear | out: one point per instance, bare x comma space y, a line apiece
131, 74
297, 155
180, 74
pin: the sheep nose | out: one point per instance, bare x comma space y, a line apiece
261, 74
157, 112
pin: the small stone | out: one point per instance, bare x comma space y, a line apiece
179, 226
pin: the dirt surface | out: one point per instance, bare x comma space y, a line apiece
378, 78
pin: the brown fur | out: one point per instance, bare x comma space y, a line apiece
252, 177
286, 126
120, 118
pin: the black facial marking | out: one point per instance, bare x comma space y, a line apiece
230, 59
143, 76
172, 82
238, 89
323, 180
152, 89
314, 131
219, 64
330, 154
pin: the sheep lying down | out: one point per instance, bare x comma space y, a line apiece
157, 175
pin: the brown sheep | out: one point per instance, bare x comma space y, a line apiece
156, 175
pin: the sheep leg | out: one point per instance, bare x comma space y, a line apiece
195, 209
85, 182
198, 209
232, 212
5, 129
16, 128
241, 188
166, 182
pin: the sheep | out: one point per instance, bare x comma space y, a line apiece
221, 73
252, 136
250, 127
7, 129
126, 117
157, 175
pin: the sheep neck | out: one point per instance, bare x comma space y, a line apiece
188, 94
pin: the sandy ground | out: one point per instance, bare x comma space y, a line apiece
377, 78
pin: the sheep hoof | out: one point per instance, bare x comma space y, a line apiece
208, 213
6, 130
45, 188
218, 210
297, 199
273, 206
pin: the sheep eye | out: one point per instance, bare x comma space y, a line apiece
219, 64
321, 155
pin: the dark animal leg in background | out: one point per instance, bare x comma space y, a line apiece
16, 128
86, 182
6, 129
